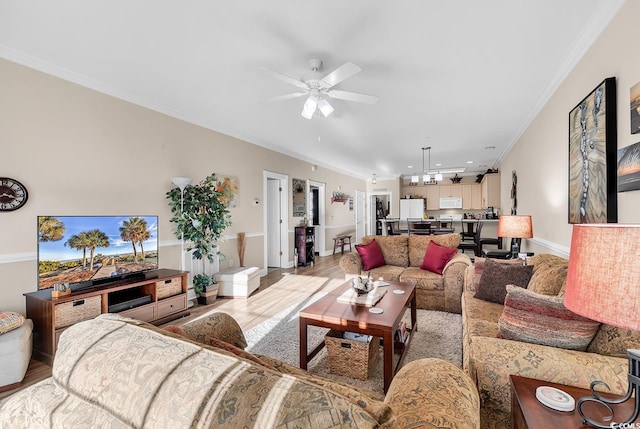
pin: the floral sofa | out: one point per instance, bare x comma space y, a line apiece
489, 359
403, 256
121, 373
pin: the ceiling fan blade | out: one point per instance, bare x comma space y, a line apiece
287, 96
352, 96
343, 72
286, 78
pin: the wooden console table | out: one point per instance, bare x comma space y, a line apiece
51, 316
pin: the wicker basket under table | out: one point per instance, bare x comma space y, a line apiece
351, 358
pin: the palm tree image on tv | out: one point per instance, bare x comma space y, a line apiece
78, 249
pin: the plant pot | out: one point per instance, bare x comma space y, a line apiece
209, 295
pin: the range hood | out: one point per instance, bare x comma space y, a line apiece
451, 202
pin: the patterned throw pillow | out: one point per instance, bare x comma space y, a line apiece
496, 276
436, 257
549, 274
541, 319
214, 342
371, 255
10, 320
613, 341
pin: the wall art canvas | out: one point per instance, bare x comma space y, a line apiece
231, 182
634, 107
629, 168
592, 157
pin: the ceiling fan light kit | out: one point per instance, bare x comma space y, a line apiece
325, 107
318, 87
310, 106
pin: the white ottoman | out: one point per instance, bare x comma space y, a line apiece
15, 354
238, 282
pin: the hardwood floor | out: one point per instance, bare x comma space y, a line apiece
248, 312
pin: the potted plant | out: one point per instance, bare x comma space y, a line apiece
201, 215
205, 288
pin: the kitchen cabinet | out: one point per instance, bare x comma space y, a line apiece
433, 197
471, 196
490, 191
450, 191
470, 192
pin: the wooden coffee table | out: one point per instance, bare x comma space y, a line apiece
528, 413
327, 312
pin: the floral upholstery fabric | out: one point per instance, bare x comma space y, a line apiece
369, 401
118, 373
217, 325
549, 274
418, 245
394, 248
219, 344
422, 389
403, 257
490, 360
122, 373
389, 273
614, 341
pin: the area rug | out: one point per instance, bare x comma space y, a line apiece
439, 335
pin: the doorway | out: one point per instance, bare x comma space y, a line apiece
276, 221
360, 216
379, 207
316, 213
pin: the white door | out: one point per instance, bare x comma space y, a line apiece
360, 216
274, 224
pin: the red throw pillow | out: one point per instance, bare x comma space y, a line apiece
436, 257
371, 255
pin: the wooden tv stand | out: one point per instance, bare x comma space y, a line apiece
51, 316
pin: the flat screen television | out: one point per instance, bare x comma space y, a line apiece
90, 250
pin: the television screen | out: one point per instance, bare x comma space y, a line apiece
86, 250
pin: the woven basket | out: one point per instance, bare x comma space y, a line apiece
68, 313
351, 358
169, 287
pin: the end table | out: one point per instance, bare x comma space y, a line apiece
528, 413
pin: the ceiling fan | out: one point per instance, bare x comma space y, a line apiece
317, 87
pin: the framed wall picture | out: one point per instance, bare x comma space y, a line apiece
634, 107
593, 194
629, 168
299, 192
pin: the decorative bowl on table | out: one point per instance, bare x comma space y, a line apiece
361, 286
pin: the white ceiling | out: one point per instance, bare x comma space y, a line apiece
457, 75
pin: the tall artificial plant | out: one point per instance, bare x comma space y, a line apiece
203, 214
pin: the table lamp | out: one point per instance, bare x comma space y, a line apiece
603, 284
515, 227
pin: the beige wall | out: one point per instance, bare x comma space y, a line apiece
540, 157
80, 152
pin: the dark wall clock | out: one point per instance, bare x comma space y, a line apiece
13, 194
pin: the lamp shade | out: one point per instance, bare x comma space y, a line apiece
181, 182
515, 226
603, 281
